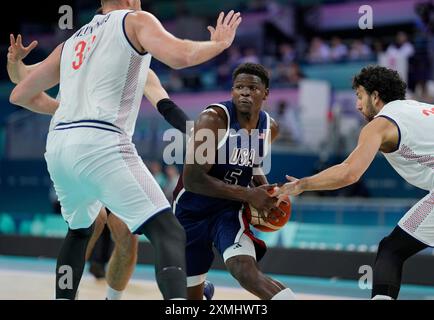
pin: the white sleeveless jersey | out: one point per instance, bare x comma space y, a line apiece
414, 159
102, 76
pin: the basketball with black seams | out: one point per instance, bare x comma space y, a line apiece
274, 220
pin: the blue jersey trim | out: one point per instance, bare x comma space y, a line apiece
91, 121
84, 126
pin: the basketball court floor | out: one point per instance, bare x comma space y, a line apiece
23, 278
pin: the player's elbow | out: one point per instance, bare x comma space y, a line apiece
350, 178
181, 61
16, 97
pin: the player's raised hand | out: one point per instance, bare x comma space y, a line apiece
17, 51
225, 28
291, 188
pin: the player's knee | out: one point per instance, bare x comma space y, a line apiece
384, 245
101, 219
82, 233
121, 235
244, 270
165, 230
389, 250
177, 233
174, 239
127, 246
385, 249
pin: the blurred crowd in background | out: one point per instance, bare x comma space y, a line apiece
296, 40
285, 36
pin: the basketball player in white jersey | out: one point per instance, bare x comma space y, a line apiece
90, 156
124, 256
403, 130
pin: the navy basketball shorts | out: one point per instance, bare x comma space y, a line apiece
228, 231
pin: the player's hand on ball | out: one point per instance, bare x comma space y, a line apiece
261, 199
225, 29
17, 51
291, 188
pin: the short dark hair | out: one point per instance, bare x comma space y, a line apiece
254, 69
386, 81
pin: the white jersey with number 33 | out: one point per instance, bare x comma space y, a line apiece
102, 76
414, 159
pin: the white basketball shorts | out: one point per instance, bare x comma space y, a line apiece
419, 220
93, 167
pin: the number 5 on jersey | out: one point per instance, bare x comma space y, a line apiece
231, 177
79, 53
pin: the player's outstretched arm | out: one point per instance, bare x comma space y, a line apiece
178, 53
29, 93
17, 70
154, 90
371, 138
199, 163
159, 98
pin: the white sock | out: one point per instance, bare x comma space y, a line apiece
178, 299
285, 294
381, 297
113, 294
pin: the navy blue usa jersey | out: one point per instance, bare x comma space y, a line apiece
238, 153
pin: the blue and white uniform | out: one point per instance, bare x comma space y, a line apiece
90, 155
414, 161
219, 222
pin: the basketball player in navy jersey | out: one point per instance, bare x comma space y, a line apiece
209, 197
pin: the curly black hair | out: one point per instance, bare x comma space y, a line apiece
386, 81
254, 69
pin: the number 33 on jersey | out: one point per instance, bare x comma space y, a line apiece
81, 49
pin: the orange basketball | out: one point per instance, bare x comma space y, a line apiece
274, 221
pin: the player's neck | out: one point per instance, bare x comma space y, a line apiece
114, 7
248, 121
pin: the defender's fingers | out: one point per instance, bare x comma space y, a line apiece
32, 46
236, 23
19, 40
220, 18
228, 17
234, 19
12, 38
